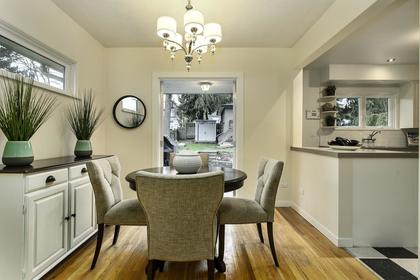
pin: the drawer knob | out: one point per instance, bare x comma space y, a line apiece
50, 179
66, 218
73, 215
84, 170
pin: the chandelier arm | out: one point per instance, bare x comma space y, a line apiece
205, 45
182, 47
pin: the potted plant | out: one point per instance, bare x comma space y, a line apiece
329, 121
21, 114
84, 118
329, 90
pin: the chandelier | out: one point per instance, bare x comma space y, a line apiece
199, 37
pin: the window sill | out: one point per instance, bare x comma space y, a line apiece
39, 85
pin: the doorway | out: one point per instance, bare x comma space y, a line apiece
198, 115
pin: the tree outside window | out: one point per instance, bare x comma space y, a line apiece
377, 111
348, 111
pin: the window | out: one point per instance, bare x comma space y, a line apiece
15, 58
348, 111
377, 111
371, 111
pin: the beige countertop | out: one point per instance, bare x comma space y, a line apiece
361, 153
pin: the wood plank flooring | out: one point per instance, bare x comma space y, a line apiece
303, 252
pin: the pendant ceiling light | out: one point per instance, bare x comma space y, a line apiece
205, 86
199, 37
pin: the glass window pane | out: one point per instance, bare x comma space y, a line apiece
348, 111
16, 58
377, 111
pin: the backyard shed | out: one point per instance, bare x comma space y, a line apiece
205, 131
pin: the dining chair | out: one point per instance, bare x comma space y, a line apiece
204, 159
181, 214
260, 210
111, 209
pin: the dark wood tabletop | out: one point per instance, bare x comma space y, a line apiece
234, 178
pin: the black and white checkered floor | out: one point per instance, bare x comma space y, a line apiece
389, 263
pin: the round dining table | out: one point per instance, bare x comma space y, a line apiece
234, 178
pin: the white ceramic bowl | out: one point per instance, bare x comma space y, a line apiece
187, 163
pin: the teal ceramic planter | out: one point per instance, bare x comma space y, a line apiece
83, 148
18, 153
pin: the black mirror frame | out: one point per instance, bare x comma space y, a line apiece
115, 107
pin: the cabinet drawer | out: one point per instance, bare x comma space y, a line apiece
78, 171
45, 179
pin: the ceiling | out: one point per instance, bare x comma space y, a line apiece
394, 34
192, 86
245, 23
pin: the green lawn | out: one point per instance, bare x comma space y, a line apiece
201, 147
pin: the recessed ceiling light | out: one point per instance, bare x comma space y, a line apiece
391, 60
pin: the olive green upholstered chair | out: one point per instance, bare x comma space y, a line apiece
260, 210
204, 159
111, 209
181, 214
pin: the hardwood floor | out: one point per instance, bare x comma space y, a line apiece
303, 252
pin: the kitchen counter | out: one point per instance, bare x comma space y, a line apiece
361, 153
360, 198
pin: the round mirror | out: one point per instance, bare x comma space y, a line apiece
129, 111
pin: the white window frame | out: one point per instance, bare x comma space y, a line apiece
392, 109
70, 75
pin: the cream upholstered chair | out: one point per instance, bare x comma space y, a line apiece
181, 214
104, 175
204, 159
257, 211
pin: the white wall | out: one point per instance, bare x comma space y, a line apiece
372, 73
45, 22
266, 75
409, 94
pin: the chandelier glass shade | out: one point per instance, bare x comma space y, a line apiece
199, 37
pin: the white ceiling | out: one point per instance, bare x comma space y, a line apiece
245, 23
192, 86
394, 34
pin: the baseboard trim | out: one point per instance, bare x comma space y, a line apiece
339, 242
283, 203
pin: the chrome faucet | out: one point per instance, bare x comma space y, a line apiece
373, 133
369, 142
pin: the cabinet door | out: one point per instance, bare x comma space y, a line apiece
46, 227
81, 199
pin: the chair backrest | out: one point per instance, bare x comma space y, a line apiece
204, 159
181, 214
104, 175
269, 174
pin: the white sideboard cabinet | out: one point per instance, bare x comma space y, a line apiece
47, 210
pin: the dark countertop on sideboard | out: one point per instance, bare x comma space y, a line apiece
48, 164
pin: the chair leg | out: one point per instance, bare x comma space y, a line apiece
260, 234
219, 263
161, 266
98, 244
151, 270
210, 269
116, 233
270, 238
